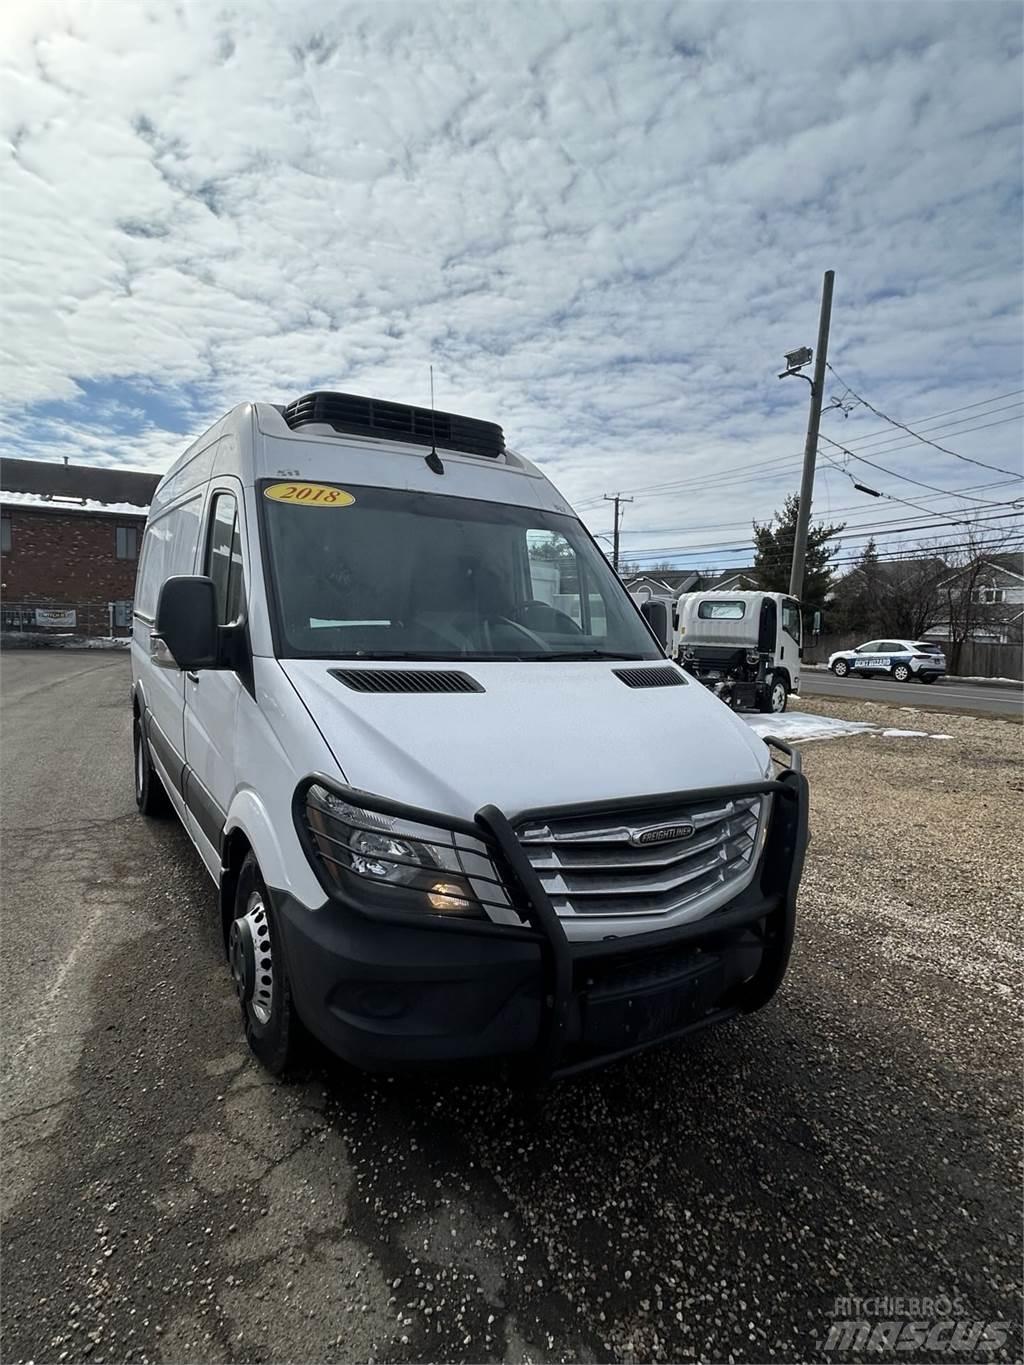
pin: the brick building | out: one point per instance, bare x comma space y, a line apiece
70, 537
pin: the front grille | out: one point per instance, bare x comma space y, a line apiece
685, 856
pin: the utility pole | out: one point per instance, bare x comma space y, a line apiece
616, 499
795, 360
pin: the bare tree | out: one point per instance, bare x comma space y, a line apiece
910, 595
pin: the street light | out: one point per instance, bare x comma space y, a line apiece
795, 360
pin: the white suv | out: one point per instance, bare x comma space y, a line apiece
899, 659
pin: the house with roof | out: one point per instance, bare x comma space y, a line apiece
995, 613
674, 582
70, 537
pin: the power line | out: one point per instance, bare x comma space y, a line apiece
934, 417
700, 482
911, 432
864, 532
883, 441
835, 511
906, 477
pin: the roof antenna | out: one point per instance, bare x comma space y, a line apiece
433, 459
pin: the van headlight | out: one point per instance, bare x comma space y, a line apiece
411, 865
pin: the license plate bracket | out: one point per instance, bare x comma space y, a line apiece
640, 1012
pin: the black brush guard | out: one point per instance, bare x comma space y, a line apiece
782, 866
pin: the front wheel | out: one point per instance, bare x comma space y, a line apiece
150, 796
840, 668
264, 992
901, 673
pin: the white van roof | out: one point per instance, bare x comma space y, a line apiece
348, 437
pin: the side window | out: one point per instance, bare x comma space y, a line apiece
893, 647
224, 557
791, 620
871, 648
126, 542
558, 601
168, 547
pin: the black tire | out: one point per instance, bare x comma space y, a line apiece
271, 1025
774, 696
150, 796
840, 668
901, 673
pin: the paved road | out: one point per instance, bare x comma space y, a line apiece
973, 699
166, 1200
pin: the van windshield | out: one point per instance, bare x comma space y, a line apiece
390, 574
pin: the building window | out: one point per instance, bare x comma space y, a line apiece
988, 596
5, 534
127, 542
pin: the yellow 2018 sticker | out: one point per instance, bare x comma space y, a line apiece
309, 494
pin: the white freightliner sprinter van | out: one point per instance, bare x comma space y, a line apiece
457, 802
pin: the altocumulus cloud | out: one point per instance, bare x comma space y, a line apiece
602, 224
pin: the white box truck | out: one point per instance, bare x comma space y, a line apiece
745, 646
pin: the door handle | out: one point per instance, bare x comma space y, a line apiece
192, 677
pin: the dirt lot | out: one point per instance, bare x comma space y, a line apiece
859, 1137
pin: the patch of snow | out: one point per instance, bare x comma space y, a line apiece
12, 499
800, 725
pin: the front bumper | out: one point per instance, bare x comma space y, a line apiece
386, 995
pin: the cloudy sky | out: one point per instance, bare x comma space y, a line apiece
603, 224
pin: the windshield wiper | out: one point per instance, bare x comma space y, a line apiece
587, 654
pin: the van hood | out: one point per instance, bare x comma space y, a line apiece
537, 735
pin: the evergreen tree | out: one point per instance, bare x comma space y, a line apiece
773, 557
857, 603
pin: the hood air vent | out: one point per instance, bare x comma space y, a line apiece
358, 416
650, 677
405, 680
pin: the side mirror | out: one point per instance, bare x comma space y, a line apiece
656, 616
186, 621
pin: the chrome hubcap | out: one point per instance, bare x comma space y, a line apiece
778, 697
251, 959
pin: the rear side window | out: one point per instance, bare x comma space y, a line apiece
927, 647
224, 557
169, 547
721, 611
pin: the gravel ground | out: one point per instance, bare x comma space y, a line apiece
860, 1137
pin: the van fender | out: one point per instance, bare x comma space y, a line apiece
249, 816
251, 825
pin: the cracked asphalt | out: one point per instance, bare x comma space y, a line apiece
164, 1200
